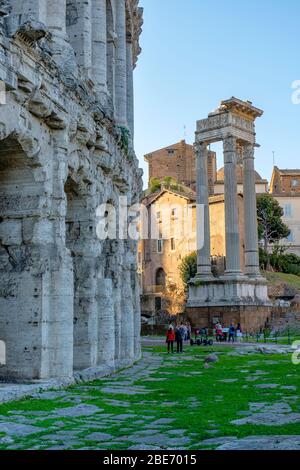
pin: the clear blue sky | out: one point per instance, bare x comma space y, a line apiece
198, 52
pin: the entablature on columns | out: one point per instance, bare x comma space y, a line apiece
233, 118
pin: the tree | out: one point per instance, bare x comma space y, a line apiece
155, 185
188, 268
271, 228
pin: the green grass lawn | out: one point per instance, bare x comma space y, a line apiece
196, 398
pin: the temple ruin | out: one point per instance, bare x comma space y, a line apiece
68, 300
237, 296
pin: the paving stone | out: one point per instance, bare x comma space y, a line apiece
77, 411
125, 391
162, 440
263, 443
163, 421
228, 381
98, 436
269, 419
17, 429
266, 386
124, 417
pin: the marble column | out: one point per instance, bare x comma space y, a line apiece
130, 95
203, 255
99, 35
250, 213
233, 263
121, 65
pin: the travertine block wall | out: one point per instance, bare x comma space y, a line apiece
68, 300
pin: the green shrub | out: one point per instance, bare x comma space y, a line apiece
287, 263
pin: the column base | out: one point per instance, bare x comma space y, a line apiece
227, 291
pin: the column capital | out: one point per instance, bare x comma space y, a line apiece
200, 148
230, 144
248, 151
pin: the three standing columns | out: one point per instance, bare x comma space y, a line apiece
232, 234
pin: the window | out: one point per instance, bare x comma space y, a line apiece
174, 212
287, 209
160, 246
158, 216
160, 278
157, 304
290, 238
173, 245
295, 183
171, 152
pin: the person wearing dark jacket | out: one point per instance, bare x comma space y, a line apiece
231, 333
179, 336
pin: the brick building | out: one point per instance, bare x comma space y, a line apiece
285, 187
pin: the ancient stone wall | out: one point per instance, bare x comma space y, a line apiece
68, 300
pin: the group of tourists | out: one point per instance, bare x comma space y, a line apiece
179, 333
230, 334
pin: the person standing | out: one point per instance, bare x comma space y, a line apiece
179, 335
239, 333
231, 333
170, 339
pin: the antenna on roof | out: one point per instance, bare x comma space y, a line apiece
273, 158
184, 132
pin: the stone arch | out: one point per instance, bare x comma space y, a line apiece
110, 51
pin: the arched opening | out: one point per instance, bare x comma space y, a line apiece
84, 248
2, 353
20, 279
110, 52
160, 278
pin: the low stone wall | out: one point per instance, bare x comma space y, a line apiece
154, 330
252, 318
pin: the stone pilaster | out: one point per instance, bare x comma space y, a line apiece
99, 51
203, 257
121, 65
56, 17
106, 322
250, 213
130, 96
79, 30
25, 9
233, 264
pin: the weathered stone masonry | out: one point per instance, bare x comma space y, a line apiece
68, 301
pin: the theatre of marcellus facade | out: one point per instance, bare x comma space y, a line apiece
69, 301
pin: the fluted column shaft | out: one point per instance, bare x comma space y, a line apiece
233, 263
203, 254
121, 64
250, 213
